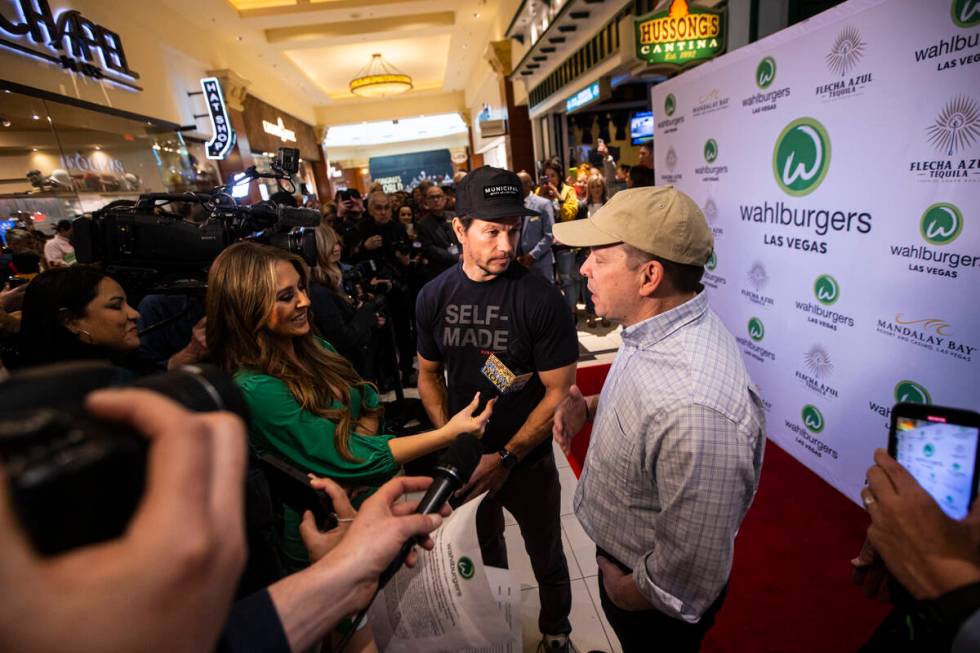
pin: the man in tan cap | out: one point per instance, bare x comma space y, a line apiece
678, 431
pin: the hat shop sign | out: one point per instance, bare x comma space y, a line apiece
68, 39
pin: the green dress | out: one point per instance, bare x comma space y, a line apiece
280, 425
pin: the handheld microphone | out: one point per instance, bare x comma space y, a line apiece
454, 470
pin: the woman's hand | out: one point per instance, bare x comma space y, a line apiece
466, 421
319, 543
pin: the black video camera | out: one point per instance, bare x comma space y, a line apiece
74, 479
148, 247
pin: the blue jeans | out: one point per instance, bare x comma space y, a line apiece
568, 277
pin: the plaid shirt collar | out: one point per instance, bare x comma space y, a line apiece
652, 330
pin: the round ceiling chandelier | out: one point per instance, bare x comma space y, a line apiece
378, 79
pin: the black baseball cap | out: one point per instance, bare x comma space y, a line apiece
491, 194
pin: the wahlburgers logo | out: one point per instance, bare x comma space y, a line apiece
957, 127
670, 104
465, 568
765, 73
846, 51
941, 224
801, 157
750, 347
826, 289
911, 392
966, 13
709, 278
710, 150
712, 263
812, 418
757, 331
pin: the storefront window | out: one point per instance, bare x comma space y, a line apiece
59, 160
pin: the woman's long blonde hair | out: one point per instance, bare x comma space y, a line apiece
241, 298
326, 272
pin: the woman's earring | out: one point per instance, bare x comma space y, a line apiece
90, 339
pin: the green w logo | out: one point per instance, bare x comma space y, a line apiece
812, 418
941, 224
801, 157
670, 103
710, 150
712, 262
966, 13
756, 330
826, 289
765, 72
911, 392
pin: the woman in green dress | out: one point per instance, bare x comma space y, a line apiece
307, 403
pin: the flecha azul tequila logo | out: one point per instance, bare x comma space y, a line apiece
953, 135
757, 279
670, 162
710, 278
844, 56
756, 331
817, 368
710, 210
765, 99
710, 103
930, 333
958, 49
939, 226
826, 291
670, 124
711, 172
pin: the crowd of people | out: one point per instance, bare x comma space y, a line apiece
468, 291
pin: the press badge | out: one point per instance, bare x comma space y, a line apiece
502, 377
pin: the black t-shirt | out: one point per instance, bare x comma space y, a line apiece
520, 317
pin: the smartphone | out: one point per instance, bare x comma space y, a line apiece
938, 446
543, 180
291, 485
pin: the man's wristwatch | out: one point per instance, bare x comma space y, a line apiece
507, 459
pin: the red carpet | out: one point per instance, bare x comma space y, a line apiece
790, 590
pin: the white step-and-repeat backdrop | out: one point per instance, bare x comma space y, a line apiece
838, 164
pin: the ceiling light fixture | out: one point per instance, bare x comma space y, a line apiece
378, 79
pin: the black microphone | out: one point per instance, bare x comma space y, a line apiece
454, 470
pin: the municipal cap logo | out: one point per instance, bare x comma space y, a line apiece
670, 104
756, 329
911, 392
846, 52
817, 362
941, 223
801, 157
712, 262
710, 150
758, 277
765, 72
501, 190
826, 289
465, 568
966, 13
812, 418
957, 127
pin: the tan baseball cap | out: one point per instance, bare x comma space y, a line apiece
659, 220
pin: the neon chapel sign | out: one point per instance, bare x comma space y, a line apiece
69, 40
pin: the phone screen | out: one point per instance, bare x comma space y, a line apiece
941, 456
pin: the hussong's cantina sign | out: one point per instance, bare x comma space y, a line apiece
681, 35
66, 39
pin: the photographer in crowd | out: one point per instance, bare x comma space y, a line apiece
307, 402
439, 244
167, 583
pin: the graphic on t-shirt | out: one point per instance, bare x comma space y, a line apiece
471, 325
941, 457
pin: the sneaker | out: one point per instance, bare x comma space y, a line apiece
558, 644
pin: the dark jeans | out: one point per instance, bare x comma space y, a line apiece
651, 630
533, 495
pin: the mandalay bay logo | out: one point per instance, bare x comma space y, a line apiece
929, 333
954, 132
846, 52
801, 157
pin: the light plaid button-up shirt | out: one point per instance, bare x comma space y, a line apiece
675, 457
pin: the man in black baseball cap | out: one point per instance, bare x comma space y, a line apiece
494, 327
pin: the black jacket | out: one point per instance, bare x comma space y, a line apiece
348, 329
436, 235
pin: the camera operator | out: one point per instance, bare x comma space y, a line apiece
168, 582
350, 212
347, 323
934, 559
385, 242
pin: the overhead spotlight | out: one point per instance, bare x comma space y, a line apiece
5, 122
98, 147
34, 149
34, 116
